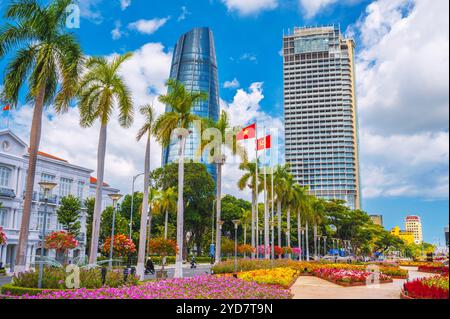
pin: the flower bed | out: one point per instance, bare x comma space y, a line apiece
284, 277
419, 264
426, 288
348, 277
434, 269
202, 287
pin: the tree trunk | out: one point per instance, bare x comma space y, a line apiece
307, 241
98, 194
218, 212
180, 211
35, 138
166, 224
266, 219
315, 240
279, 222
254, 208
288, 233
144, 213
299, 234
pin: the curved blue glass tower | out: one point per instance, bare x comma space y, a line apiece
194, 64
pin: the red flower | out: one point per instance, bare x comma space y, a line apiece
2, 237
60, 241
122, 245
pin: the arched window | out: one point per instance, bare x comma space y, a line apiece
5, 176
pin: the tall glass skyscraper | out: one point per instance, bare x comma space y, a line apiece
320, 112
194, 64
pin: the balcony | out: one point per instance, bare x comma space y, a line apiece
38, 197
7, 192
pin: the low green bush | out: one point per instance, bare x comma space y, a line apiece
11, 290
55, 278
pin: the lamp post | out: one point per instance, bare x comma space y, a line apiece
324, 245
115, 198
318, 245
212, 224
47, 188
219, 256
236, 224
132, 202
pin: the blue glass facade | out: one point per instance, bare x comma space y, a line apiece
194, 64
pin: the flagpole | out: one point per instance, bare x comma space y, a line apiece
266, 208
273, 216
257, 193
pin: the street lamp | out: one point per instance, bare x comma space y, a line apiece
46, 188
115, 198
324, 245
218, 252
236, 223
132, 202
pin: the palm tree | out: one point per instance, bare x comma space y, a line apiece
178, 120
280, 175
148, 113
167, 204
102, 88
221, 126
249, 180
48, 59
300, 202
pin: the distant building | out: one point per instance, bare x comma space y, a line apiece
70, 179
321, 120
407, 237
107, 190
446, 236
377, 219
413, 224
194, 64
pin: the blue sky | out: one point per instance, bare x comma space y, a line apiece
402, 86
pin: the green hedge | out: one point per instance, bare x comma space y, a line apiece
10, 289
171, 260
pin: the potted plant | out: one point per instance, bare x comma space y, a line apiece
163, 247
61, 241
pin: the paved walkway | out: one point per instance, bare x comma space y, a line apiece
316, 288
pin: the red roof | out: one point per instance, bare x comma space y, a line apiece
94, 181
50, 156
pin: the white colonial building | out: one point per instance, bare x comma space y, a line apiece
70, 179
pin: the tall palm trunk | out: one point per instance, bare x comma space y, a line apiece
299, 234
144, 213
315, 240
279, 222
166, 224
218, 212
98, 194
288, 233
35, 138
254, 209
307, 240
180, 211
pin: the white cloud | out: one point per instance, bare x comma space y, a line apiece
234, 84
116, 33
248, 57
145, 74
313, 7
402, 84
89, 10
248, 102
125, 4
184, 14
250, 7
148, 26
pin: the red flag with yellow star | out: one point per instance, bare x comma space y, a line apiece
247, 133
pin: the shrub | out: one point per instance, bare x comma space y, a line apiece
122, 245
55, 278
